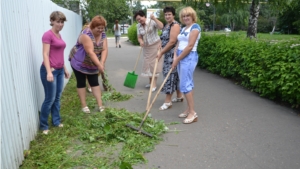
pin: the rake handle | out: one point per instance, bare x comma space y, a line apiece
137, 60
152, 82
150, 106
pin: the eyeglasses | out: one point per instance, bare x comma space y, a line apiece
183, 16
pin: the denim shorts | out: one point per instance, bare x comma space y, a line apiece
186, 68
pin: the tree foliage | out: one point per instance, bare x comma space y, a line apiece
160, 5
111, 10
289, 19
278, 5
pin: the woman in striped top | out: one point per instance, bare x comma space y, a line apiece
88, 58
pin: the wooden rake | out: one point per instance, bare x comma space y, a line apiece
139, 129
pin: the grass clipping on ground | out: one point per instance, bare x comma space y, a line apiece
96, 140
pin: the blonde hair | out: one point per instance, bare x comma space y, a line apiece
188, 11
86, 25
57, 15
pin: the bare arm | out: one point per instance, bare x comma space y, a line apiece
104, 52
175, 51
46, 49
175, 30
67, 75
141, 41
192, 40
89, 49
160, 25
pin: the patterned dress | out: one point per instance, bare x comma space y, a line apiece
171, 84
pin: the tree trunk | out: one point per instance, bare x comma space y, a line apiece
252, 26
232, 25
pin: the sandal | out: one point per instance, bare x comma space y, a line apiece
176, 99
101, 108
86, 110
183, 115
191, 120
165, 106
153, 89
89, 89
46, 132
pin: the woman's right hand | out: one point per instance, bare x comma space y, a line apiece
101, 68
50, 77
142, 44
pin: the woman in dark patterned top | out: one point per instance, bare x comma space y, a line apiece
169, 39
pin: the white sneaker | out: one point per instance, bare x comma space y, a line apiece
148, 85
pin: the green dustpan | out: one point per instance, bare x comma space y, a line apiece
131, 77
130, 80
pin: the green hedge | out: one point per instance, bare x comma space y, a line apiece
270, 69
132, 34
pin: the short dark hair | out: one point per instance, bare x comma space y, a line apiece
169, 9
140, 12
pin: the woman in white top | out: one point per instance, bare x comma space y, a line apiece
186, 59
117, 30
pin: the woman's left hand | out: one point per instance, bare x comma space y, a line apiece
67, 75
103, 64
175, 63
159, 55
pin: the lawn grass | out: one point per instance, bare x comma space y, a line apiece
96, 140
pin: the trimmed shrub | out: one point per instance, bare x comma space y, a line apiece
270, 69
132, 34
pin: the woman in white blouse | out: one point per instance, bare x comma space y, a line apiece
186, 59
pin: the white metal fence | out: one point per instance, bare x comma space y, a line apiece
23, 23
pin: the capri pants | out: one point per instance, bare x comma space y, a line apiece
186, 68
81, 79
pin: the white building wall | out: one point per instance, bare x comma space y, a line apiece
23, 23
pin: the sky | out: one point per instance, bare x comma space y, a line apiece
148, 3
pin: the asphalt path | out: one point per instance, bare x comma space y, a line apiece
236, 128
